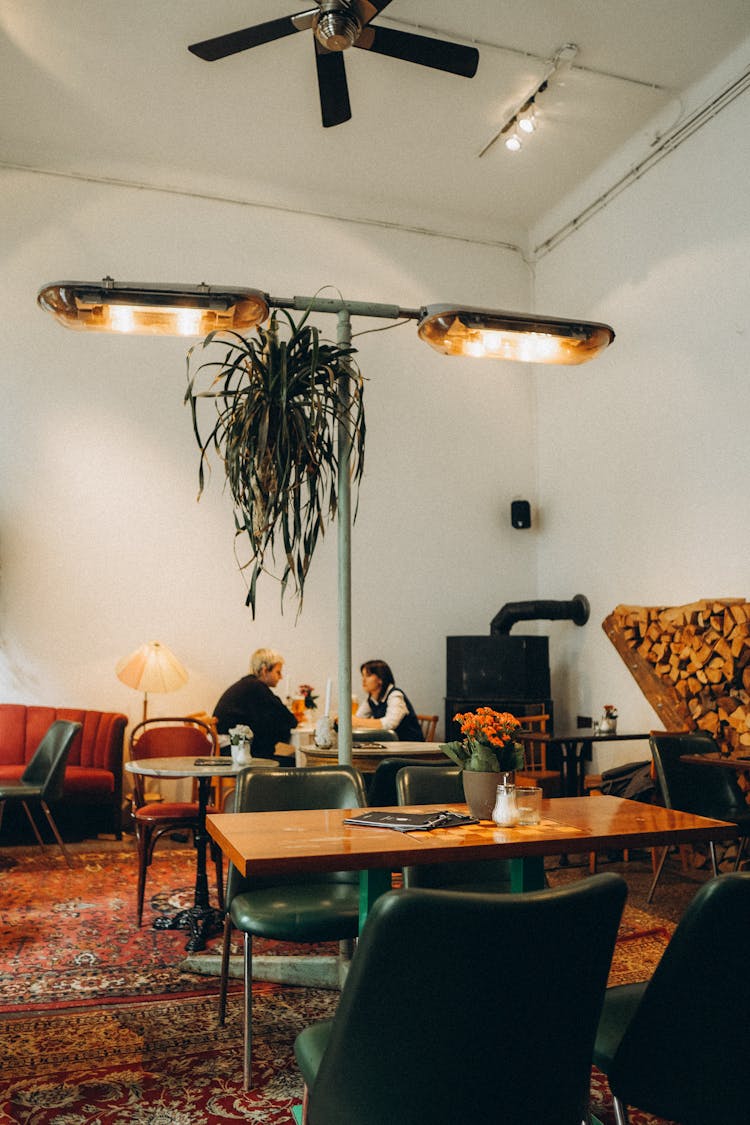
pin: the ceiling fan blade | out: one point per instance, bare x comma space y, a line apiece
224, 45
334, 92
437, 53
366, 10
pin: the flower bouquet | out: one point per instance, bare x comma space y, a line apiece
489, 742
307, 691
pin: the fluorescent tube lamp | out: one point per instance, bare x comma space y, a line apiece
158, 310
524, 337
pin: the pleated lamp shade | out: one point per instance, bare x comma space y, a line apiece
152, 667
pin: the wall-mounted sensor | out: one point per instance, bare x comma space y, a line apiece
520, 513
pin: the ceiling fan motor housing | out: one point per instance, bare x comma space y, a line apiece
337, 26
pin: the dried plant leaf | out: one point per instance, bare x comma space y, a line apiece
278, 403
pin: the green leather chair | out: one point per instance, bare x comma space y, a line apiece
430, 785
701, 790
456, 1009
381, 785
309, 907
676, 1046
43, 779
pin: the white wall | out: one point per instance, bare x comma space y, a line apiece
102, 543
643, 455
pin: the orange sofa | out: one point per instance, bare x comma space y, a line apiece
92, 801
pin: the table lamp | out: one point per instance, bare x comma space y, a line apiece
152, 667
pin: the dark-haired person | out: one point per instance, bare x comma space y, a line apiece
386, 706
252, 702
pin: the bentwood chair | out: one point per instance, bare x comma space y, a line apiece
309, 907
43, 779
438, 1021
701, 790
169, 737
676, 1046
430, 785
428, 724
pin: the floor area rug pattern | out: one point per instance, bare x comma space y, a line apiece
69, 936
101, 1027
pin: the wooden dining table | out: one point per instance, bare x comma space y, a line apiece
280, 843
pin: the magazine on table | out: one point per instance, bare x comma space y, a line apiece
411, 822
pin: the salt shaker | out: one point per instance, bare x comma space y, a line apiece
505, 812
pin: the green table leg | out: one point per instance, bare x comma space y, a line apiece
527, 874
372, 884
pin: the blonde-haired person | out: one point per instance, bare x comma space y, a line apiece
252, 702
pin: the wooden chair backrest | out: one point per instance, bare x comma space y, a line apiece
428, 724
535, 747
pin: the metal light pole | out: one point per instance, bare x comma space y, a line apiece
344, 310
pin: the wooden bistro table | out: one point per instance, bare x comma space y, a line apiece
278, 843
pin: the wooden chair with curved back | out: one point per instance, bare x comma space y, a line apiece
428, 724
169, 737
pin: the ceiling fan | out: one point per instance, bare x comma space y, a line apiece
338, 25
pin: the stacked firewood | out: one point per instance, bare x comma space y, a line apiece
692, 663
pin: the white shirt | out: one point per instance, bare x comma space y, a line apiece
395, 709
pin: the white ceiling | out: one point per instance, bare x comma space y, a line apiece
107, 89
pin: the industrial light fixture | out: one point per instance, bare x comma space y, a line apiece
515, 336
166, 310
513, 142
183, 310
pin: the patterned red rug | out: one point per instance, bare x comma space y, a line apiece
101, 1026
68, 937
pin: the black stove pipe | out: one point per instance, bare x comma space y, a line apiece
577, 610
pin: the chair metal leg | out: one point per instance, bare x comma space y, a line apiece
32, 822
621, 1113
248, 1013
712, 850
58, 837
218, 857
657, 874
224, 980
740, 852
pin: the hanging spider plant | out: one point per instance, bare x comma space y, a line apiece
279, 398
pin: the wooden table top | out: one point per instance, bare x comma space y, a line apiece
739, 765
317, 840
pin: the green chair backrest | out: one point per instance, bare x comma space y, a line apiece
427, 785
46, 768
456, 1008
381, 785
684, 1054
289, 790
700, 790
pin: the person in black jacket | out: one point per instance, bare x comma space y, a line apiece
251, 702
387, 706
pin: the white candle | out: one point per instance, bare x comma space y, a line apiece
328, 697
